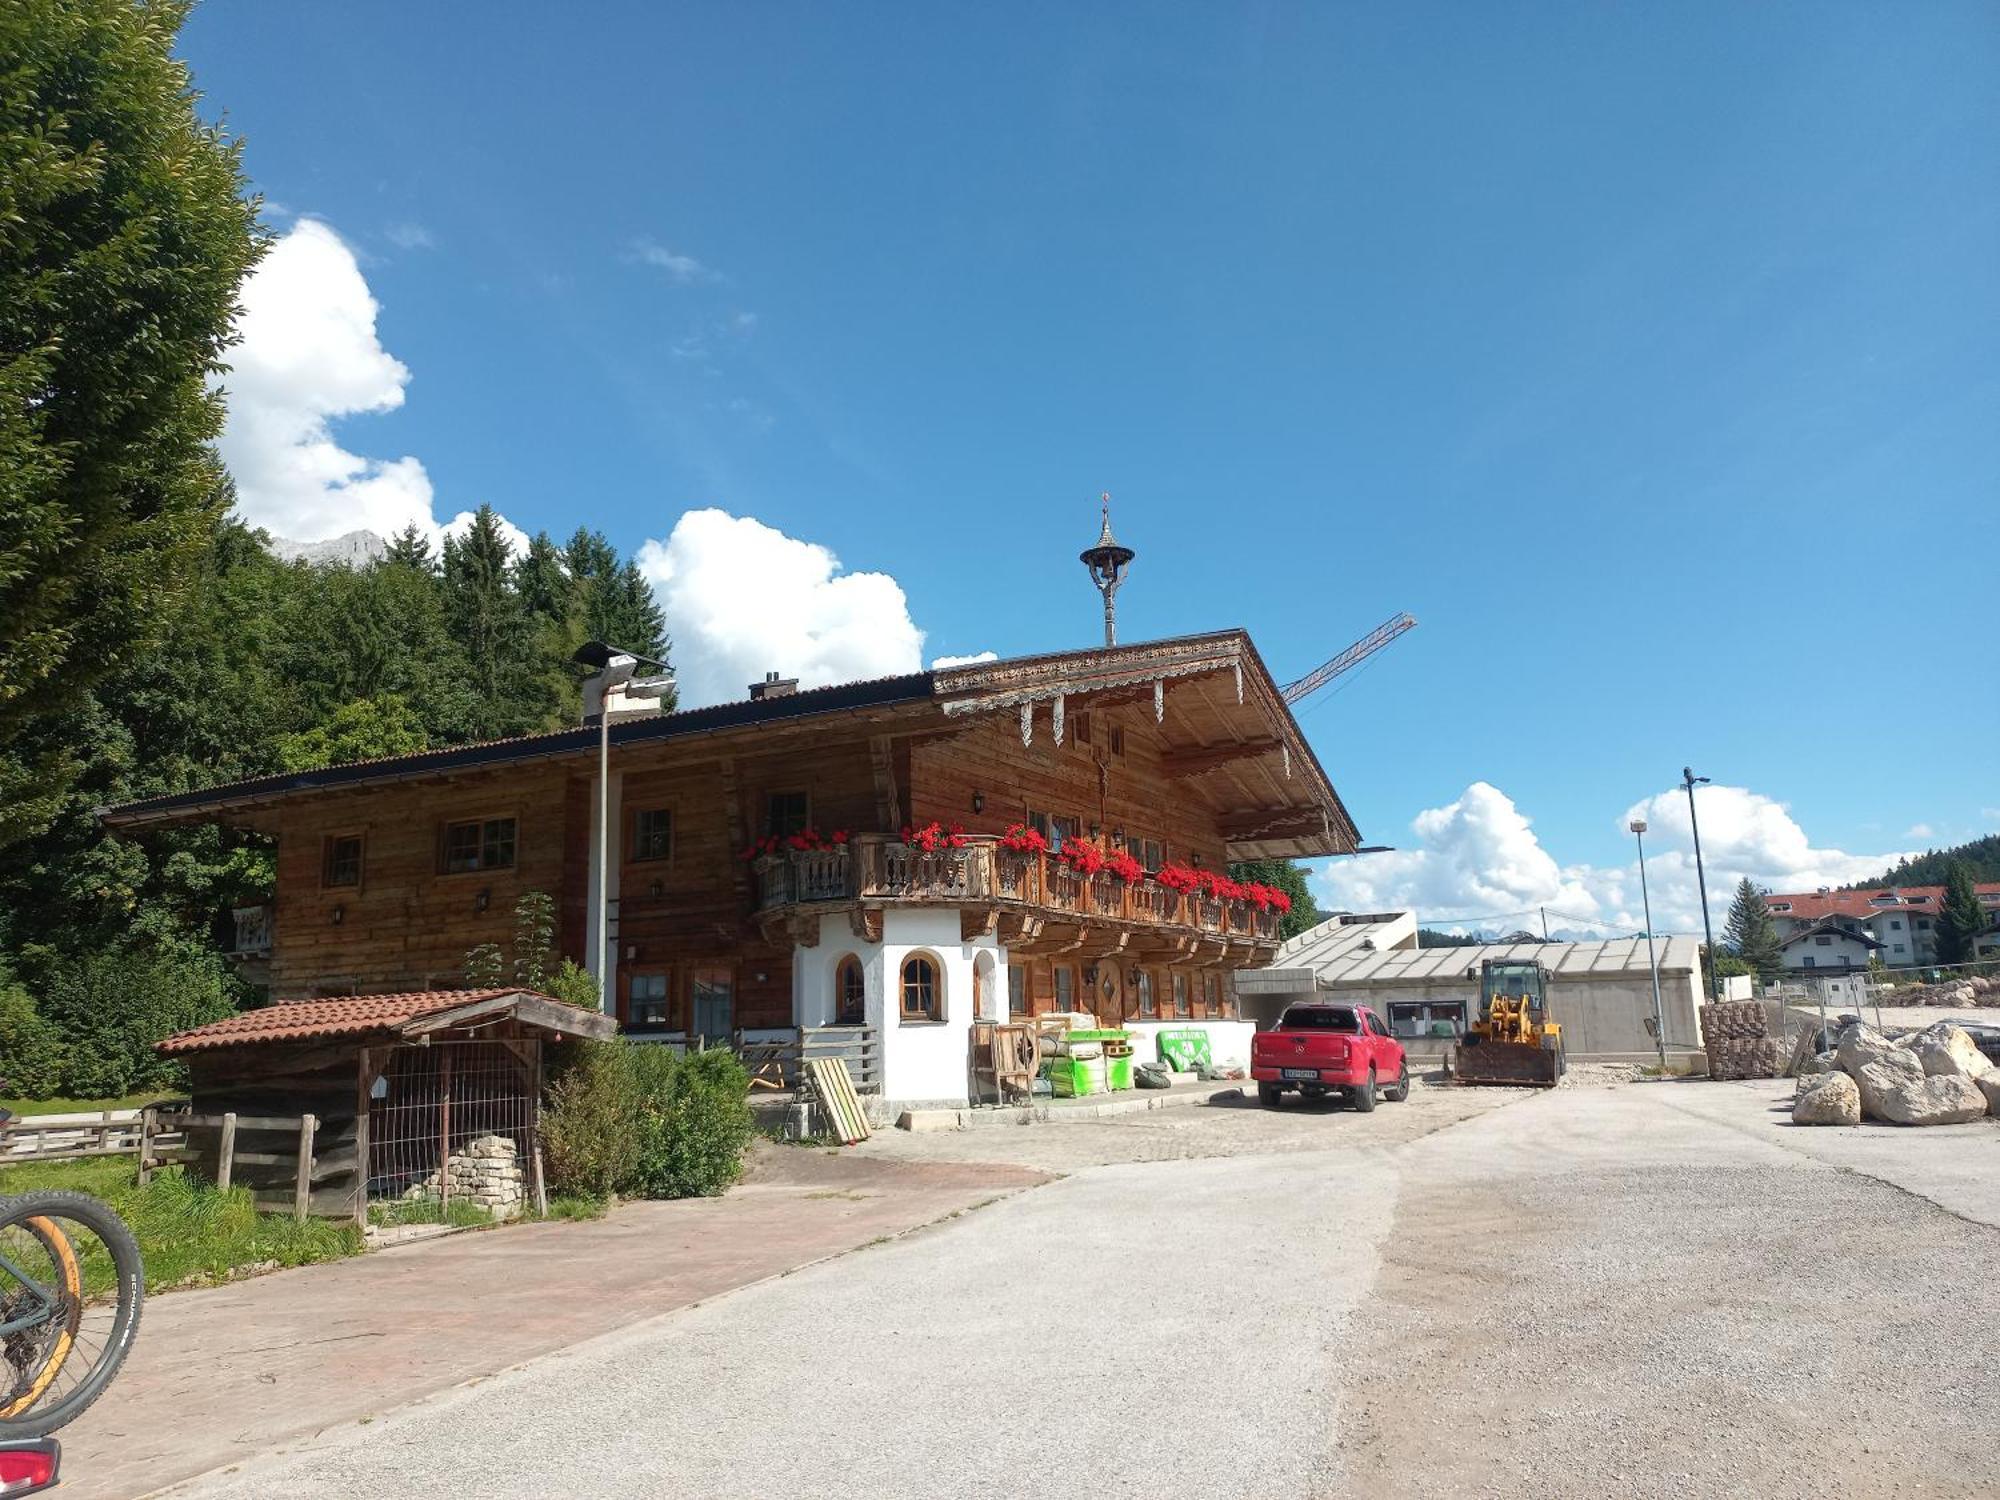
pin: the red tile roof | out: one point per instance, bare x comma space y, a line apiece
346, 1015
1810, 906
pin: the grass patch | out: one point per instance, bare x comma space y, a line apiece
577, 1209
26, 1107
460, 1213
188, 1232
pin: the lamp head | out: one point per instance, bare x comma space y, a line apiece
1637, 825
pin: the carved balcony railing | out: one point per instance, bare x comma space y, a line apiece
872, 867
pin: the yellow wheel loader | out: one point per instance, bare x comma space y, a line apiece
1513, 1041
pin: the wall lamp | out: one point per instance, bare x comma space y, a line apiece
339, 915
483, 900
979, 802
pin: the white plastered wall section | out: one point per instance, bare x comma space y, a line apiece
923, 1062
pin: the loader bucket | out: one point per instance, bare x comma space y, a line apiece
1517, 1064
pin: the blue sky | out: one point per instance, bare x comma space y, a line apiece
1648, 355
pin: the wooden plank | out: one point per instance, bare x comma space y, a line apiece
308, 1124
225, 1157
364, 1084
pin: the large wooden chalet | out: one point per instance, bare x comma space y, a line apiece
1181, 752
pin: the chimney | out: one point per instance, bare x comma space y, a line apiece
773, 686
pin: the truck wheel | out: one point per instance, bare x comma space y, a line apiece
1363, 1098
1270, 1095
1397, 1092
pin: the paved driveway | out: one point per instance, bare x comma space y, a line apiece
1636, 1291
222, 1375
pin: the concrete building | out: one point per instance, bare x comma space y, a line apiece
1601, 992
1900, 920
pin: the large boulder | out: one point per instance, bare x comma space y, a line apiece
1827, 1099
1946, 1050
1819, 1062
1901, 1097
1990, 1087
1863, 1046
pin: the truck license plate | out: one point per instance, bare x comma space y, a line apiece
1311, 1075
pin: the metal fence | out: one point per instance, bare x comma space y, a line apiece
451, 1135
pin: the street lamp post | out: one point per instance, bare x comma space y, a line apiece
615, 676
1638, 827
1701, 879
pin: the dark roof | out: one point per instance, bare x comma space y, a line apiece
1827, 926
362, 1015
915, 686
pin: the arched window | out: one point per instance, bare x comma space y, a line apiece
850, 993
923, 988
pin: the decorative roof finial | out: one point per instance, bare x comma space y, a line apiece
1107, 562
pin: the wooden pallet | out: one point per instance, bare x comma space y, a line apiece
835, 1092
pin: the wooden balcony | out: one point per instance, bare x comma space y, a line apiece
1034, 901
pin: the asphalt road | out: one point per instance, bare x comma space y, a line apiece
1645, 1290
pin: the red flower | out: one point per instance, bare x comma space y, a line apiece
1024, 840
1180, 878
1125, 867
1083, 857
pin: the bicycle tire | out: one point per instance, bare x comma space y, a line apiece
130, 1277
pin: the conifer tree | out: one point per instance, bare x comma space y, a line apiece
1962, 918
1751, 934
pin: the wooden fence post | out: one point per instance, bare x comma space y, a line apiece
104, 1130
145, 1145
226, 1159
363, 1097
302, 1196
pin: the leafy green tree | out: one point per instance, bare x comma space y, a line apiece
1751, 935
1961, 918
366, 729
1982, 854
1289, 878
124, 235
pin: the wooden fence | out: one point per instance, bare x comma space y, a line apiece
67, 1137
163, 1141
780, 1063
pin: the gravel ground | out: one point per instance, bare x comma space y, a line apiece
1589, 1291
1225, 1126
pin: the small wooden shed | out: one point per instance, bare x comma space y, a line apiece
406, 1101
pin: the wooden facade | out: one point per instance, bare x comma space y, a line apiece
1179, 751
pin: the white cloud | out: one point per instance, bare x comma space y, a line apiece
308, 354
682, 269
409, 236
941, 663
743, 598
1919, 831
1479, 856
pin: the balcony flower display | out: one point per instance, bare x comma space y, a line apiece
1267, 898
1218, 887
1125, 867
811, 838
769, 844
933, 837
1180, 878
1021, 839
1082, 856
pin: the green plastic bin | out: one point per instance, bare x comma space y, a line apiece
1118, 1072
1076, 1077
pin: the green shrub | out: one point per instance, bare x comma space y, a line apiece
110, 1009
589, 1120
694, 1123
573, 984
32, 1056
645, 1122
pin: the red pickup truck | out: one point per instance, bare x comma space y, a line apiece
1319, 1048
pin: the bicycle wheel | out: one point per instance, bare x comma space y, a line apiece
71, 1287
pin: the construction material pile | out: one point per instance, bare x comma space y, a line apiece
1936, 1076
1978, 990
1736, 1034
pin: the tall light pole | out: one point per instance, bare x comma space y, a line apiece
613, 692
1638, 827
1701, 880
